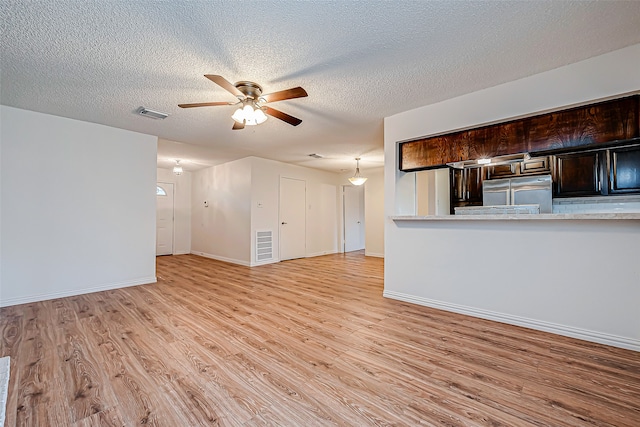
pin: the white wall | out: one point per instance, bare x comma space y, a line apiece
374, 213
181, 210
322, 201
432, 192
226, 229
577, 278
78, 207
223, 229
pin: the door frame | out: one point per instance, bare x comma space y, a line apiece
173, 215
344, 218
280, 219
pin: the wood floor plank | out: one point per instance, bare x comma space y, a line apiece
308, 342
40, 400
138, 405
109, 417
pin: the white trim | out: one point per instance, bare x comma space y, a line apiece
321, 253
5, 372
181, 253
554, 328
221, 258
373, 254
69, 293
173, 217
265, 262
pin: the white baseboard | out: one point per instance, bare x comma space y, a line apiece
73, 292
181, 253
373, 254
221, 258
265, 262
554, 328
5, 371
320, 253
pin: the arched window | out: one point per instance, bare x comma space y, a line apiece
160, 191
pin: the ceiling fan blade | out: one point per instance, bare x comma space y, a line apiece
237, 126
225, 84
296, 92
204, 104
293, 121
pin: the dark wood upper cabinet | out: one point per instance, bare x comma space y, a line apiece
535, 165
502, 171
592, 124
624, 170
578, 174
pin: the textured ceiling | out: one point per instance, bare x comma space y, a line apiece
359, 61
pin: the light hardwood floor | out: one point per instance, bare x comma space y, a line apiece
300, 343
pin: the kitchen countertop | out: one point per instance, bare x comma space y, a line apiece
522, 217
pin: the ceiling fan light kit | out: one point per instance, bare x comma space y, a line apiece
253, 111
357, 179
249, 115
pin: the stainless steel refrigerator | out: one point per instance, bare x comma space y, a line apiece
522, 190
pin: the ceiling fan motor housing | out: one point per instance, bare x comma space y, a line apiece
249, 89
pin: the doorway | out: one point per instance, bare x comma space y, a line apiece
293, 223
164, 218
353, 217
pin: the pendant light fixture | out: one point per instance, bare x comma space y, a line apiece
177, 169
357, 179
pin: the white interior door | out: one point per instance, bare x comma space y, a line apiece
164, 219
353, 204
292, 218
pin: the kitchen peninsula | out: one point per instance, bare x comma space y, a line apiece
522, 217
567, 272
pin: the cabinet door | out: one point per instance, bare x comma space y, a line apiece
624, 174
473, 183
502, 171
536, 165
578, 174
457, 185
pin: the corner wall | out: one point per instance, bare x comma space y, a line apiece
374, 213
323, 205
243, 198
222, 230
575, 278
78, 207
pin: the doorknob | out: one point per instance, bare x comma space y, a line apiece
283, 223
358, 222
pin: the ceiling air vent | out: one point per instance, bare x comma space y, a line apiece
152, 114
316, 156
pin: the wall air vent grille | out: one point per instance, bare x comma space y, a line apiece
264, 245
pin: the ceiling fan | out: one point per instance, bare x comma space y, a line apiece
251, 100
